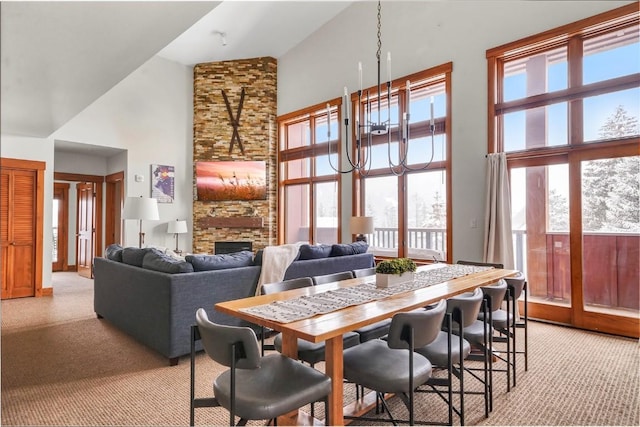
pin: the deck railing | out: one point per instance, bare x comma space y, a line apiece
607, 282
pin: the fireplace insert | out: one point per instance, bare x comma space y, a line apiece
230, 247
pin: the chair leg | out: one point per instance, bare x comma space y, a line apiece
526, 329
313, 409
194, 332
488, 362
326, 410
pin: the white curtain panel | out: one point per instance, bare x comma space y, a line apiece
498, 240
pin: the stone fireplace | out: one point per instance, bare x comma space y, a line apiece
234, 118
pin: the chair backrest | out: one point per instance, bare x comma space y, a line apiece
516, 283
364, 272
218, 340
497, 292
469, 304
335, 277
426, 326
286, 285
481, 264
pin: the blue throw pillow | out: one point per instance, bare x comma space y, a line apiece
341, 249
134, 256
314, 251
156, 260
221, 261
113, 252
257, 260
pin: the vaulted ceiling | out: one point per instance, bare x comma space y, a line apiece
59, 57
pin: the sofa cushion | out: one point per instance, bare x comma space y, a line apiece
158, 261
257, 260
340, 249
134, 256
314, 251
113, 252
220, 261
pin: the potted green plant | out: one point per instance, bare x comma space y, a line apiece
394, 271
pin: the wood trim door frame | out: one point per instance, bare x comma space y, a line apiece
98, 180
61, 192
114, 199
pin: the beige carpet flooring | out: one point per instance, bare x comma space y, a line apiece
63, 366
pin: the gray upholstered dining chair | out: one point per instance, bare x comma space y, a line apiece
481, 264
392, 365
286, 285
364, 272
481, 332
255, 387
506, 323
516, 287
378, 329
334, 277
450, 353
309, 352
272, 288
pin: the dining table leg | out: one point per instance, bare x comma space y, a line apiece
289, 349
334, 369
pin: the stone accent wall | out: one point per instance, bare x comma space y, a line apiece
212, 133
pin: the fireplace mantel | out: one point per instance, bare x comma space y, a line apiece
231, 222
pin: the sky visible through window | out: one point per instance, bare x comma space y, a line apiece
601, 65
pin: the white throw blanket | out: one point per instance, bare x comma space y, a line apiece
275, 261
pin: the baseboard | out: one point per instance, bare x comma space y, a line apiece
71, 268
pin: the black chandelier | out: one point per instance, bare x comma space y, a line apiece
366, 129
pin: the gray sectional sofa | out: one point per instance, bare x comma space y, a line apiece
154, 298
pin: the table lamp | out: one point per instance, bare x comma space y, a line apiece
361, 226
177, 227
140, 208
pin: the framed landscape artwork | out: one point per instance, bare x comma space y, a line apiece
162, 183
232, 180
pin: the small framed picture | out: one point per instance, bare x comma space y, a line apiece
162, 183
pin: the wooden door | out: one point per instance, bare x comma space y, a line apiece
18, 232
60, 225
86, 228
114, 200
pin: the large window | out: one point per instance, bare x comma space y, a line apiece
565, 106
308, 185
411, 206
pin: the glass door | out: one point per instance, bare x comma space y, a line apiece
610, 243
576, 234
542, 250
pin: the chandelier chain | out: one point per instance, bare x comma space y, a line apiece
359, 152
379, 33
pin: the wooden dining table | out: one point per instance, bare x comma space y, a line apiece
331, 326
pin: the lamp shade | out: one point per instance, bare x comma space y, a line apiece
140, 208
361, 224
177, 227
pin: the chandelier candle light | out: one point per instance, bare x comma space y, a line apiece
362, 162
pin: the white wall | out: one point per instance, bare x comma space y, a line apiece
38, 149
420, 35
149, 114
